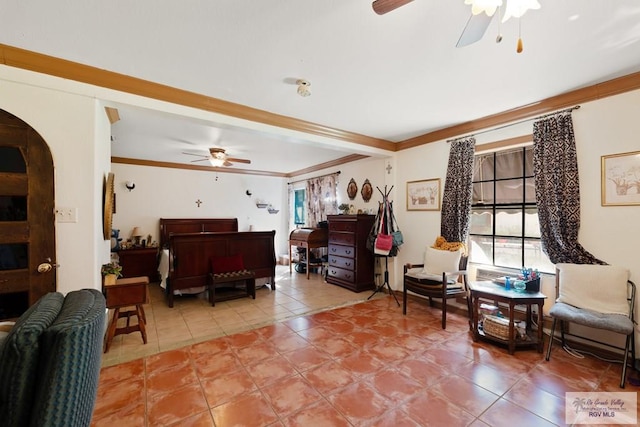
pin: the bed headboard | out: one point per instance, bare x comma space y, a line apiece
193, 225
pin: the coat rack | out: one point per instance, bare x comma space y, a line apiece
384, 208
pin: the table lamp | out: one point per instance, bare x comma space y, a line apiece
136, 233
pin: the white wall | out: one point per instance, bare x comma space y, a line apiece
71, 126
172, 193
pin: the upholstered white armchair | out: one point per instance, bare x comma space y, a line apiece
597, 296
437, 277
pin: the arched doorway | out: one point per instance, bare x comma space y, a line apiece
27, 219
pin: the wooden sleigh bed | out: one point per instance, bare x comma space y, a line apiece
189, 245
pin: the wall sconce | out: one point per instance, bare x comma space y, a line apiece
303, 88
130, 185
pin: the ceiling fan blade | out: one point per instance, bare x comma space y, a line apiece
384, 6
233, 159
200, 160
227, 163
199, 155
474, 30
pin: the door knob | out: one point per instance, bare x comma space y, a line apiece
47, 266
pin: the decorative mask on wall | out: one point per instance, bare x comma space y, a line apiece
366, 191
352, 189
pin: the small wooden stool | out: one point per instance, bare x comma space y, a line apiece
132, 291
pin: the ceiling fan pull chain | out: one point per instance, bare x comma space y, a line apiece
519, 48
499, 36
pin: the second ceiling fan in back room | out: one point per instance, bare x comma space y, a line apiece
218, 157
482, 12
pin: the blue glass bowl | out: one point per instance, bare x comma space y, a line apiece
519, 285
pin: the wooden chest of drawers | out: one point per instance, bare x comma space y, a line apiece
351, 264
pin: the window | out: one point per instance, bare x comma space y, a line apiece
505, 231
298, 207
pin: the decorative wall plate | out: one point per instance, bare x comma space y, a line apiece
352, 189
366, 191
107, 206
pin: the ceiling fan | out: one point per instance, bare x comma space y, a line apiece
218, 157
477, 24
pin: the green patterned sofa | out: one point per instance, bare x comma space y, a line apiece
50, 361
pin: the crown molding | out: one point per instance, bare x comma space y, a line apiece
171, 165
321, 166
590, 93
33, 61
40, 63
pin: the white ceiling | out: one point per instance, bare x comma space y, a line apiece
392, 77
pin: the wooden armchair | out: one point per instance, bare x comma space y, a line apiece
597, 296
437, 277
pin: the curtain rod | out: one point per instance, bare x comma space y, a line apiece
320, 176
566, 110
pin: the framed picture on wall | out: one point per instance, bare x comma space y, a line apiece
423, 195
621, 179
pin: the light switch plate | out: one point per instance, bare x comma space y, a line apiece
67, 214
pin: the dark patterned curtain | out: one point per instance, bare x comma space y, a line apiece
555, 167
321, 198
458, 188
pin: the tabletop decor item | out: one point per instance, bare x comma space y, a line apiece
530, 278
344, 208
110, 272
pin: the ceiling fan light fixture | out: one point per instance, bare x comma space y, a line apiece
217, 158
517, 8
216, 162
303, 88
487, 6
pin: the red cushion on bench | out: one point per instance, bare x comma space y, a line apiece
225, 264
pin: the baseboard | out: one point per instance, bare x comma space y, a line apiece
459, 308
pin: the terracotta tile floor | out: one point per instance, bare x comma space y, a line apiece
193, 320
360, 364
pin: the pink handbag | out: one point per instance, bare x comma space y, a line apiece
384, 243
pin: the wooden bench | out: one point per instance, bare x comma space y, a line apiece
231, 278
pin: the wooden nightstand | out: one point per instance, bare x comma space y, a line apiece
133, 291
138, 262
